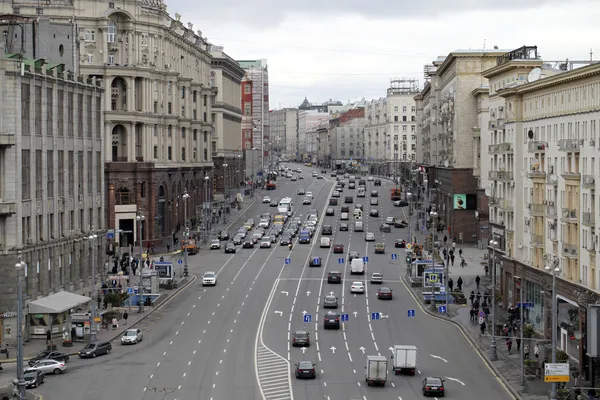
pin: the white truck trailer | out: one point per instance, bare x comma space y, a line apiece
376, 370
404, 359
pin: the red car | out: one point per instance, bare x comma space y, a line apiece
338, 248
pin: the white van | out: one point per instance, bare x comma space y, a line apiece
357, 266
361, 192
358, 226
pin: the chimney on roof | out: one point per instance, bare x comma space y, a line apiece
496, 47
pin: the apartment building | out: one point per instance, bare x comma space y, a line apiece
284, 130
447, 109
390, 131
347, 138
52, 140
553, 121
227, 155
308, 120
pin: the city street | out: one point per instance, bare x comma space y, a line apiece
233, 341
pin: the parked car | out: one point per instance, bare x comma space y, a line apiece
49, 367
95, 349
33, 378
49, 355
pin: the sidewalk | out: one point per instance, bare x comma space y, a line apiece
508, 365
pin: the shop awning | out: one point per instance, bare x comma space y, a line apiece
57, 303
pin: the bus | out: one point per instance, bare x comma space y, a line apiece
396, 194
285, 206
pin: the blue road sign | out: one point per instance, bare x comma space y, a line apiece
375, 316
129, 290
110, 235
307, 318
179, 261
365, 259
345, 318
442, 309
526, 304
394, 256
340, 260
288, 261
411, 313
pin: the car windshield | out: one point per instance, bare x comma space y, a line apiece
130, 333
330, 298
300, 335
89, 346
376, 275
209, 275
384, 290
333, 273
305, 365
30, 374
215, 241
434, 381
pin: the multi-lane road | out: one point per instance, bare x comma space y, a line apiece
233, 341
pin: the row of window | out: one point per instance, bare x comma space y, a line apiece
57, 225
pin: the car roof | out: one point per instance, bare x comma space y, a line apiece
357, 283
305, 363
385, 289
300, 333
330, 313
334, 272
376, 274
330, 296
433, 379
209, 273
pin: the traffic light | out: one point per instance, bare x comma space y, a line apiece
460, 237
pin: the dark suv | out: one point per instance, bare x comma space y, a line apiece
334, 277
349, 200
331, 320
327, 230
95, 349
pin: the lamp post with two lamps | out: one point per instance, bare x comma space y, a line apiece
20, 266
92, 239
493, 348
186, 232
140, 218
554, 269
206, 207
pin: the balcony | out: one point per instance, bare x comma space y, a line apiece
588, 219
569, 145
552, 180
7, 139
494, 148
569, 214
537, 147
589, 181
7, 207
505, 148
506, 205
537, 240
535, 173
536, 209
501, 175
494, 201
574, 176
551, 212
569, 250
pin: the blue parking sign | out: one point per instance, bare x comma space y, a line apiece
394, 256
345, 317
316, 260
340, 260
365, 259
288, 261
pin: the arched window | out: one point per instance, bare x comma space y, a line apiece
111, 32
212, 79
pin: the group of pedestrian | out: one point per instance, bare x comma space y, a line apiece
478, 304
459, 284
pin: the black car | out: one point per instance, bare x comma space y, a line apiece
352, 255
333, 202
400, 203
248, 244
349, 200
329, 212
285, 240
384, 293
344, 209
230, 248
33, 378
301, 338
400, 243
223, 235
273, 204
374, 213
374, 193
315, 262
334, 277
433, 387
237, 239
94, 349
343, 226
385, 228
49, 355
377, 182
331, 320
400, 224
305, 369
327, 230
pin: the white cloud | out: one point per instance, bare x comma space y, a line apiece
350, 56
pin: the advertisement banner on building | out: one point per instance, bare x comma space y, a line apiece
460, 202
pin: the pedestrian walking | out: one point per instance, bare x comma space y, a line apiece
48, 336
452, 258
6, 351
445, 240
125, 316
453, 245
478, 296
508, 344
526, 352
477, 281
472, 297
472, 315
460, 252
459, 283
168, 247
482, 328
536, 351
450, 284
518, 340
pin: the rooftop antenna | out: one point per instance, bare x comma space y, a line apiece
591, 54
484, 43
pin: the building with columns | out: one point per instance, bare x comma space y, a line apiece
158, 108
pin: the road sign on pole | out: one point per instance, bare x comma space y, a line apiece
307, 318
129, 290
288, 261
411, 313
481, 314
344, 317
556, 372
394, 256
340, 260
179, 261
375, 316
365, 259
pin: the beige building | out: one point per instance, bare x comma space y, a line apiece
158, 118
227, 150
52, 190
284, 131
553, 124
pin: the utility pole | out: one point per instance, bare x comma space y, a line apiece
186, 233
21, 265
140, 218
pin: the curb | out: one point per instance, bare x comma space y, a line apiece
156, 308
466, 335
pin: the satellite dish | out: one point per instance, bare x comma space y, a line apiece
530, 134
446, 163
520, 245
488, 191
553, 178
534, 75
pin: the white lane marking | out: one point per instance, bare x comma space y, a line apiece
184, 374
176, 333
350, 356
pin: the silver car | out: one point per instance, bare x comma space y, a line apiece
132, 336
376, 277
49, 367
330, 301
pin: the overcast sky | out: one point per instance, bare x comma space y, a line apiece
347, 50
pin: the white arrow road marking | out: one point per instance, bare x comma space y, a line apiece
331, 293
362, 349
355, 314
308, 292
280, 313
303, 350
390, 348
332, 348
304, 312
439, 358
456, 380
284, 292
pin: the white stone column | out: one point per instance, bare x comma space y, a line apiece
130, 94
131, 142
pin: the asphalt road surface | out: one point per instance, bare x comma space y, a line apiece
232, 341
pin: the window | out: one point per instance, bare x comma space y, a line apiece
89, 116
50, 232
60, 110
204, 117
155, 130
205, 101
247, 109
111, 32
71, 173
61, 173
404, 119
38, 110
25, 108
90, 168
195, 135
169, 108
404, 128
413, 109
183, 154
404, 109
144, 39
169, 131
90, 58
155, 152
98, 117
183, 133
80, 175
99, 172
395, 108
40, 231
169, 153
49, 111
39, 183
169, 86
212, 80
247, 89
194, 93
111, 59
183, 92
70, 113
26, 175
80, 115
413, 128
50, 173
205, 136
205, 155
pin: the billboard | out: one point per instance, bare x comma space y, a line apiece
460, 202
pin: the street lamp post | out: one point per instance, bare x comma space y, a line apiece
554, 270
494, 350
409, 197
140, 217
186, 232
19, 266
92, 238
225, 173
206, 207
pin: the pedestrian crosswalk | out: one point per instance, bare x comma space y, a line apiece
273, 375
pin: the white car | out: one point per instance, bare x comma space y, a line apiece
357, 287
209, 279
306, 201
215, 244
309, 194
132, 336
264, 223
294, 178
374, 201
344, 216
265, 243
266, 199
370, 237
390, 220
325, 242
49, 367
370, 178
